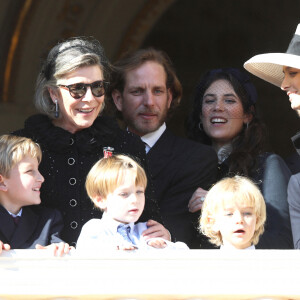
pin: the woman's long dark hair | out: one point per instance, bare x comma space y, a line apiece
250, 142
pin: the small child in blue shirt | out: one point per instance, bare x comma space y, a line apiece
233, 214
116, 185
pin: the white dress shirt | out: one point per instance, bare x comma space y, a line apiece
151, 138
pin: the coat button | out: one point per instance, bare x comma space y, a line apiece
71, 161
73, 202
72, 181
74, 224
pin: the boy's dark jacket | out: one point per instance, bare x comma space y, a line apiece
38, 225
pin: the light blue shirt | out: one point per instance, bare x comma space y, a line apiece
102, 234
17, 215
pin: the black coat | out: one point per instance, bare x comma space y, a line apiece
178, 167
38, 225
67, 159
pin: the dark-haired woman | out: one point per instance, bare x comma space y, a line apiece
224, 116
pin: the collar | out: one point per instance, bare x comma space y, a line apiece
224, 152
151, 138
296, 141
113, 224
231, 247
19, 214
103, 132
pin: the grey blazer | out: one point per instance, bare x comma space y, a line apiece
294, 207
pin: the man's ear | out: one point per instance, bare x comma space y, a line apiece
100, 202
170, 97
3, 185
118, 99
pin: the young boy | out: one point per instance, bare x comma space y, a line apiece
117, 185
233, 214
23, 226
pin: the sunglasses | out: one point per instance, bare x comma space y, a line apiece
78, 90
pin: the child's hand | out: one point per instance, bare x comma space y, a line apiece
156, 230
58, 249
4, 246
157, 243
126, 246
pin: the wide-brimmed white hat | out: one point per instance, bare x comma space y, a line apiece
269, 66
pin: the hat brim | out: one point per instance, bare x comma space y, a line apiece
269, 66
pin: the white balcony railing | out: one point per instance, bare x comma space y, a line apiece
193, 274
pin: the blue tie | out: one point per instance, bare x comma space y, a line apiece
124, 230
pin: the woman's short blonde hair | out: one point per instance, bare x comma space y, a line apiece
13, 149
235, 189
109, 173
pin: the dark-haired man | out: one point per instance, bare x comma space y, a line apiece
145, 89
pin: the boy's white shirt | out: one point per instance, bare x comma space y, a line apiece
102, 234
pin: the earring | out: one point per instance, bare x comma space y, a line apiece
102, 108
247, 125
56, 114
200, 126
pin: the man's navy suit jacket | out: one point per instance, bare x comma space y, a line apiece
177, 167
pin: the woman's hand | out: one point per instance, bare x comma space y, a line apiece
197, 199
156, 230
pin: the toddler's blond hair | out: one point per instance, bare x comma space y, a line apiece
236, 189
109, 173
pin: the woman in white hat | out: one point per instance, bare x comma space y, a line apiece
283, 70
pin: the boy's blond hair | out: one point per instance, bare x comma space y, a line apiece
109, 173
13, 149
233, 189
